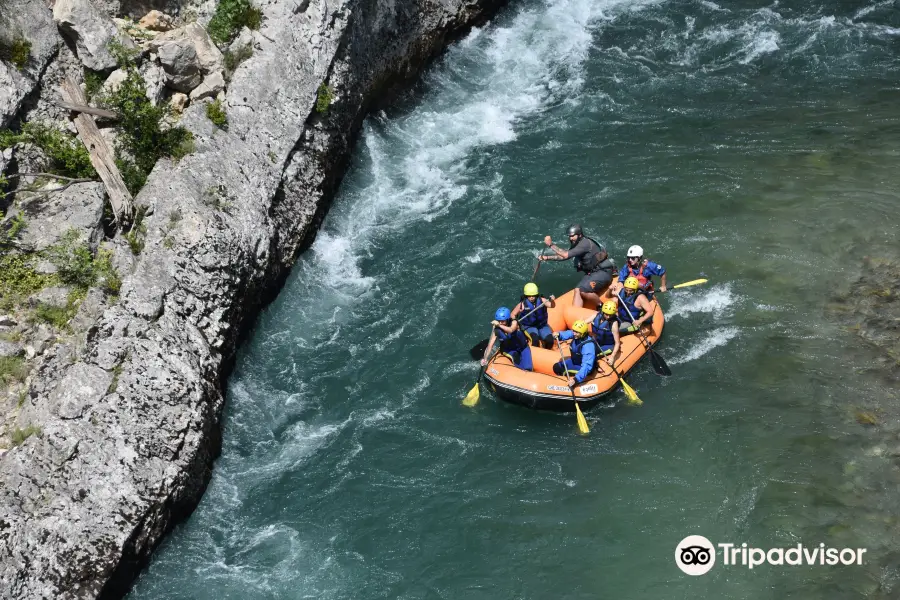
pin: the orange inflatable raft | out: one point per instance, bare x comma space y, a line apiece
541, 389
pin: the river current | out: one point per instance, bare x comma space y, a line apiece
752, 143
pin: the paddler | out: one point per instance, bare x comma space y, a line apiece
513, 342
635, 308
584, 353
606, 330
591, 259
641, 268
534, 322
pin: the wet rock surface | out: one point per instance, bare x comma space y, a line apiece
129, 412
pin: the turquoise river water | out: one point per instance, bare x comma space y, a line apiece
754, 143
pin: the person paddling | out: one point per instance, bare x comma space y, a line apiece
606, 330
634, 308
536, 323
513, 342
591, 259
639, 267
584, 353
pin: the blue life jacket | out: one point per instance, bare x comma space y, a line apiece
536, 319
512, 342
629, 302
577, 345
603, 329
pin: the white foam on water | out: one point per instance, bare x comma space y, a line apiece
716, 338
718, 301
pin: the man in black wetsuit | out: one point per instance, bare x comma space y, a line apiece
590, 258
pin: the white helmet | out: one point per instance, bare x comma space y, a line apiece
635, 252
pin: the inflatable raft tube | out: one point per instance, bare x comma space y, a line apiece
541, 389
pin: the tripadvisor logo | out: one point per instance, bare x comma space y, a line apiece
696, 555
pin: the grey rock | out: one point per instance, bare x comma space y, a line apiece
155, 80
49, 218
32, 20
10, 348
210, 88
91, 30
115, 79
53, 296
180, 63
122, 464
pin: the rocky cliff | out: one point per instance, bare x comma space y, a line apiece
129, 412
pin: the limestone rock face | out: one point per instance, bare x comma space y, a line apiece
130, 418
33, 21
48, 218
91, 30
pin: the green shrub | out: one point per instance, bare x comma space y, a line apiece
18, 279
16, 51
78, 267
12, 369
234, 59
9, 231
57, 316
18, 436
324, 97
142, 139
230, 17
93, 81
74, 261
135, 237
67, 154
215, 112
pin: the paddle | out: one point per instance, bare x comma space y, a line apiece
474, 394
659, 364
629, 391
477, 351
681, 285
538, 265
582, 422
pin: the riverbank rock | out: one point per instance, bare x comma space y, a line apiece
91, 30
130, 414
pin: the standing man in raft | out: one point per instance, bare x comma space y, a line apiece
591, 259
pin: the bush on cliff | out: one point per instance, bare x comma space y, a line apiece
66, 154
230, 17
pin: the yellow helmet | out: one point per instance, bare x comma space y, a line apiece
580, 327
609, 307
531, 289
632, 283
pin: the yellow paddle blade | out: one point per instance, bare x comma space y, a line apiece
631, 394
582, 422
689, 283
471, 398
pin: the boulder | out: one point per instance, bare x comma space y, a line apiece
211, 86
53, 296
186, 55
156, 21
114, 80
178, 102
48, 218
91, 30
155, 80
